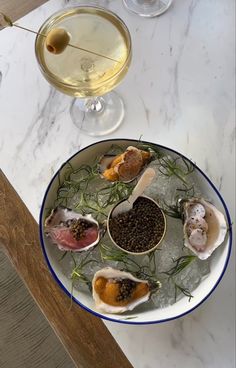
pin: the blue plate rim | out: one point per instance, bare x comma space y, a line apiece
120, 320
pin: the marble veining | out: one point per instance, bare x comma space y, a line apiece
44, 120
179, 92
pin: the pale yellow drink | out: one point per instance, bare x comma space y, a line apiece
79, 73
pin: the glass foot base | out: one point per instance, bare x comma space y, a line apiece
147, 8
98, 116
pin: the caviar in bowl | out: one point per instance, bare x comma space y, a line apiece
140, 230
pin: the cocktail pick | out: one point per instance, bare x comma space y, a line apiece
9, 23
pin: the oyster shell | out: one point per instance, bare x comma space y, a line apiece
116, 291
124, 167
204, 227
70, 230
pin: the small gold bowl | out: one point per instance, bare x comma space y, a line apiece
132, 252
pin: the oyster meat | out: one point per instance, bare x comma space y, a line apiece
204, 227
116, 291
124, 167
70, 230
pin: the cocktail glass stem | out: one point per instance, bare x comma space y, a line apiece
93, 104
148, 8
95, 116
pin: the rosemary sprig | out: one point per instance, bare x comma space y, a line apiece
78, 270
178, 167
113, 193
74, 181
73, 258
130, 265
180, 264
79, 275
188, 192
63, 256
175, 209
115, 149
110, 254
88, 204
80, 183
155, 152
152, 261
183, 290
172, 210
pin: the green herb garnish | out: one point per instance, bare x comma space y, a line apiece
80, 183
175, 209
63, 256
115, 150
178, 167
78, 271
151, 148
130, 265
183, 290
172, 210
152, 261
180, 264
111, 254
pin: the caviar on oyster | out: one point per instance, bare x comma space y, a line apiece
116, 291
124, 167
71, 231
204, 227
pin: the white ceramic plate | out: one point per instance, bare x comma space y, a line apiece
180, 308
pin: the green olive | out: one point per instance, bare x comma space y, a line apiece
56, 40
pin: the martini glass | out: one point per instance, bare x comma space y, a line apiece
88, 74
147, 8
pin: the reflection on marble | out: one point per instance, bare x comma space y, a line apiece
178, 92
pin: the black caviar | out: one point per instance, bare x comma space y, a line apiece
139, 229
78, 228
126, 288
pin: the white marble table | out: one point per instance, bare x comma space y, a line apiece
179, 92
